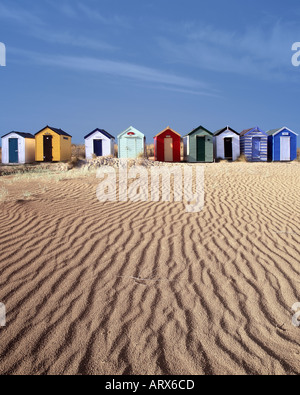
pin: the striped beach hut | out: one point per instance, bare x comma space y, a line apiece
99, 143
18, 148
167, 146
131, 144
282, 145
199, 145
254, 144
227, 144
52, 145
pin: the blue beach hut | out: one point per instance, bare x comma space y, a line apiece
254, 145
282, 145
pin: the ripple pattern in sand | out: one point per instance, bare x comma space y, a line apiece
146, 288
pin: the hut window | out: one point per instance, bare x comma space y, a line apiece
66, 138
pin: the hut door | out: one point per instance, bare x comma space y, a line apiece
200, 149
256, 148
13, 151
131, 148
98, 148
228, 147
285, 148
48, 157
168, 149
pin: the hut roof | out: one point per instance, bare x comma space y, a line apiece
168, 128
220, 131
133, 130
272, 132
24, 135
102, 131
244, 132
58, 131
198, 128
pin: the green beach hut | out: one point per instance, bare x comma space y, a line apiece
199, 145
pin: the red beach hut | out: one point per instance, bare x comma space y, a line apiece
167, 146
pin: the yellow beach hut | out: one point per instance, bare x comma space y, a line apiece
52, 145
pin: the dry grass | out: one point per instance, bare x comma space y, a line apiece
3, 193
242, 158
150, 151
78, 151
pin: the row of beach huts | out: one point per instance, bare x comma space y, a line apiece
200, 145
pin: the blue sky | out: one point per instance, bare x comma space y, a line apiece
80, 65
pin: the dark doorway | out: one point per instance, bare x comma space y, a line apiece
200, 149
13, 151
228, 148
98, 148
48, 149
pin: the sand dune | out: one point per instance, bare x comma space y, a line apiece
146, 288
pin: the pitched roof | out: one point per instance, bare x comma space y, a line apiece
104, 132
131, 129
220, 131
272, 132
21, 134
199, 127
246, 131
58, 131
168, 128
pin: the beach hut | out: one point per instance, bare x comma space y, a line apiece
254, 145
52, 145
167, 146
18, 148
199, 145
227, 144
282, 145
131, 144
99, 143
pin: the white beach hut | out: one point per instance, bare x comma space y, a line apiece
18, 148
131, 144
99, 143
227, 144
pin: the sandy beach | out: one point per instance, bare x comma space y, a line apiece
146, 288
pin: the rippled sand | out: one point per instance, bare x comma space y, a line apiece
146, 288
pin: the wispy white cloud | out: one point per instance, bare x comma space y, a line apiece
122, 70
70, 39
66, 9
39, 28
90, 13
19, 14
82, 10
259, 51
209, 92
93, 14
